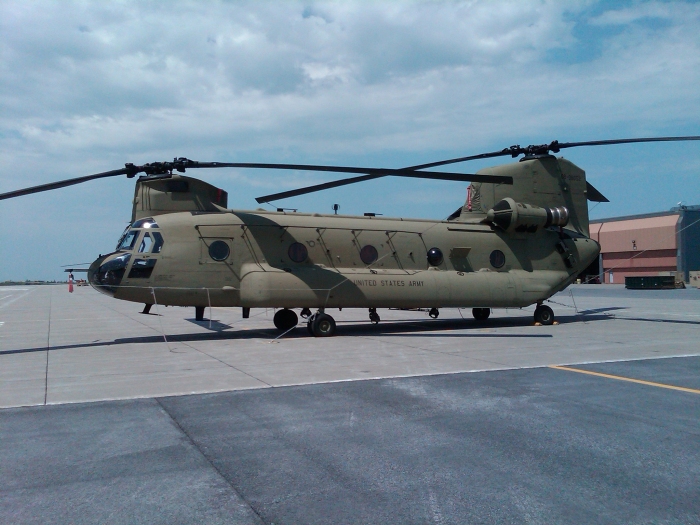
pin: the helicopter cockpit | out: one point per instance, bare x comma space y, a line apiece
151, 241
107, 272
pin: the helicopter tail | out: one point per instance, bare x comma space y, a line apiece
542, 182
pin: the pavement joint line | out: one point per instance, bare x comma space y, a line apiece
209, 461
48, 347
227, 364
628, 379
8, 303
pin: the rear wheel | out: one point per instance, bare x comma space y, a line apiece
481, 314
285, 319
544, 315
323, 325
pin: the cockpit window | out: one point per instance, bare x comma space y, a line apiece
121, 237
128, 240
158, 242
146, 243
148, 223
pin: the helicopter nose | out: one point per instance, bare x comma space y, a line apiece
106, 272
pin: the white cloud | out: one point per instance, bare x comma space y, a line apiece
87, 86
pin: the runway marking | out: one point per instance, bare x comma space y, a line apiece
629, 379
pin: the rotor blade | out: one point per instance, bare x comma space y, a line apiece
62, 183
434, 175
562, 145
75, 264
375, 172
594, 195
317, 187
513, 151
554, 146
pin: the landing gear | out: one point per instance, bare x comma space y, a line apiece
321, 325
374, 316
544, 315
285, 319
434, 313
199, 313
305, 313
146, 308
481, 314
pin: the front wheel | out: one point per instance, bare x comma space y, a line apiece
544, 315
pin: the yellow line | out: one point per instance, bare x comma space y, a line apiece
621, 378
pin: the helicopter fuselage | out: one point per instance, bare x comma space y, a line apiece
297, 260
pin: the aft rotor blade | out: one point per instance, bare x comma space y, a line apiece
406, 172
62, 183
562, 145
554, 147
375, 172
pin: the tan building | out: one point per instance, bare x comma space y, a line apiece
666, 243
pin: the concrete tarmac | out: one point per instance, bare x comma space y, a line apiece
381, 424
57, 347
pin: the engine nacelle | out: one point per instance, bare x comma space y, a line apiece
514, 216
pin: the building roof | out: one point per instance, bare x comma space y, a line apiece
673, 211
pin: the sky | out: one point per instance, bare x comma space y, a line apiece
86, 87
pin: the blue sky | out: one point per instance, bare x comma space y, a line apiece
88, 86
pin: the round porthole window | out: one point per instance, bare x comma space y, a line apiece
368, 254
219, 250
297, 252
498, 259
435, 257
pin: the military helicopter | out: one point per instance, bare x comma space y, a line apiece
521, 237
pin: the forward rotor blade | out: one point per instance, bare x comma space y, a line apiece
62, 184
375, 174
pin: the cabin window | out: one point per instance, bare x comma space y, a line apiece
497, 258
368, 254
128, 240
219, 250
435, 257
297, 252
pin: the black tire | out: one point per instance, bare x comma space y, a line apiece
544, 315
323, 325
285, 319
481, 314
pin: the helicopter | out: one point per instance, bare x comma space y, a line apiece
521, 236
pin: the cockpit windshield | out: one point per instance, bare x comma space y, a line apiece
128, 240
151, 242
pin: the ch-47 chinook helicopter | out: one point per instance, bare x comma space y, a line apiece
521, 237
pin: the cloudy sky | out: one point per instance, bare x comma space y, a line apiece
87, 86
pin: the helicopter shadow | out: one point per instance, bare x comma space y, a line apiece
602, 310
408, 328
210, 324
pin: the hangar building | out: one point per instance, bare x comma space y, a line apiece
665, 243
